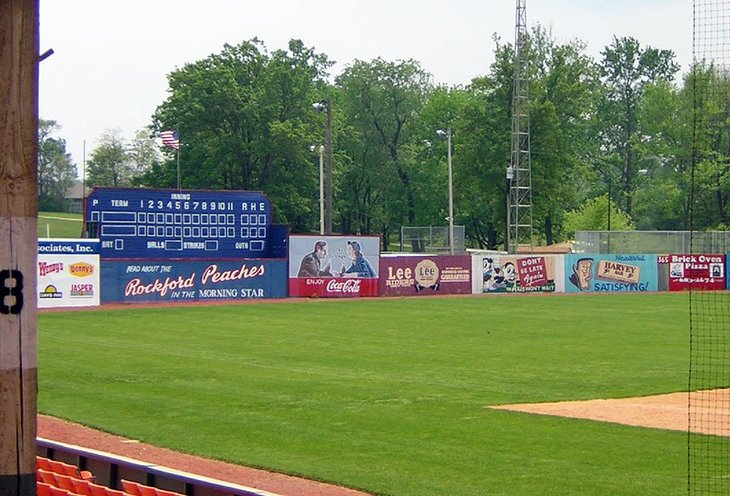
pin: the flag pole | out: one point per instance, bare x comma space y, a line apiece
178, 169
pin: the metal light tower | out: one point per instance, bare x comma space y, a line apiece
519, 172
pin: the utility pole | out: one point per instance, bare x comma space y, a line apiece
19, 59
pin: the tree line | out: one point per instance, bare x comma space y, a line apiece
622, 127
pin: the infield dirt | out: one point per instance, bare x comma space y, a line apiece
664, 411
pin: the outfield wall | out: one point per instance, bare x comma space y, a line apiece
70, 273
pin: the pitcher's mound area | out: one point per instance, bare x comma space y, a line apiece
710, 411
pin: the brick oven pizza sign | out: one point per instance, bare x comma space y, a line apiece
704, 271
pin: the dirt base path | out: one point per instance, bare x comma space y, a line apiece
711, 411
67, 432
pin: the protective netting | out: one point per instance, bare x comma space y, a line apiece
709, 454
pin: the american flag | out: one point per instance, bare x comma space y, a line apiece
171, 139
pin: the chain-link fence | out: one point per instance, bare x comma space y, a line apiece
652, 242
430, 239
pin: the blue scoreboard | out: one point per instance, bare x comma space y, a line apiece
153, 223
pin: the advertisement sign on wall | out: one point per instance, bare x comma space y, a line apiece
333, 266
704, 271
610, 273
68, 273
405, 275
518, 273
133, 281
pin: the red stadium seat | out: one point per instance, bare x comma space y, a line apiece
56, 467
42, 462
65, 482
131, 487
147, 491
67, 469
114, 492
163, 492
43, 489
81, 487
58, 492
97, 490
46, 477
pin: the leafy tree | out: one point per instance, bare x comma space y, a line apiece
109, 163
563, 90
381, 101
56, 171
710, 87
626, 70
593, 216
441, 112
662, 196
143, 153
245, 122
485, 150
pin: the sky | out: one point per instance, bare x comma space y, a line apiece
112, 57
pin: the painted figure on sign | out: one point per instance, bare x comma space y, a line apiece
360, 266
510, 273
582, 273
311, 262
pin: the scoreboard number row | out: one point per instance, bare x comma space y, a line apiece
185, 205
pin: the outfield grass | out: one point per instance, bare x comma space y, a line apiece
386, 395
59, 225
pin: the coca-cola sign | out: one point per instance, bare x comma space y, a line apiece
336, 287
346, 286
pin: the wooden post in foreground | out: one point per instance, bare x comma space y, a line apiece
18, 244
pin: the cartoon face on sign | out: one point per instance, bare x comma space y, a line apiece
510, 273
493, 275
582, 273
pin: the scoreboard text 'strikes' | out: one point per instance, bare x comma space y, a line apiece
211, 274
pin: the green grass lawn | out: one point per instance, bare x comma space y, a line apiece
59, 225
386, 395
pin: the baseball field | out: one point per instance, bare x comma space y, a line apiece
390, 396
